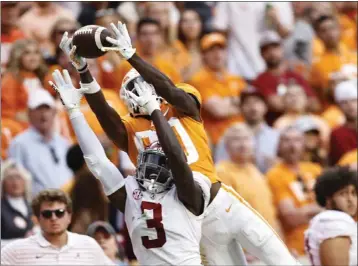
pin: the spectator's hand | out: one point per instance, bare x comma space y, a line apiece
146, 99
77, 61
69, 95
122, 43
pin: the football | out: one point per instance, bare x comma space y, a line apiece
90, 39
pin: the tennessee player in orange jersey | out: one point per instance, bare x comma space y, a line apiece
229, 221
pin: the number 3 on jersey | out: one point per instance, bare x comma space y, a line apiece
144, 139
155, 223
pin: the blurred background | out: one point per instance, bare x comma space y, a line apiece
277, 106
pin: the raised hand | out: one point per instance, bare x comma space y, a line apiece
122, 42
77, 61
70, 96
146, 98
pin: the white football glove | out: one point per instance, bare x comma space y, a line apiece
122, 42
70, 96
146, 100
77, 61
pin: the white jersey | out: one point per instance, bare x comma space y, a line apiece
326, 225
161, 228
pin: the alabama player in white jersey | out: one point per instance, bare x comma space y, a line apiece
164, 202
229, 221
331, 238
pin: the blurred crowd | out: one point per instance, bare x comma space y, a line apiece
278, 82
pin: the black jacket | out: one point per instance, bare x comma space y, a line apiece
13, 223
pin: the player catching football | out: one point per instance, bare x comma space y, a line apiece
229, 221
331, 238
164, 203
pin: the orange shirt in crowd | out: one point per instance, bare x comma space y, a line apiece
178, 54
333, 116
249, 182
6, 43
285, 185
349, 158
9, 129
163, 65
210, 85
14, 93
326, 65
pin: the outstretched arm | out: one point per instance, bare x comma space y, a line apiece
110, 121
98, 163
189, 191
164, 87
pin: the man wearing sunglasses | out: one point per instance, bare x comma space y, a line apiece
54, 244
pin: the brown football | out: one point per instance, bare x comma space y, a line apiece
90, 39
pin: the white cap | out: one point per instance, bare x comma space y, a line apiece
269, 37
306, 123
40, 97
346, 90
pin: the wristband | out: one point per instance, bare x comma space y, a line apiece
92, 87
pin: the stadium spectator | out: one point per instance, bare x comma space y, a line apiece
298, 45
171, 48
190, 31
331, 238
108, 63
204, 9
16, 213
39, 149
10, 33
254, 108
275, 80
59, 28
54, 244
87, 15
25, 74
344, 138
105, 236
38, 21
347, 17
149, 39
315, 149
295, 107
240, 173
9, 129
219, 90
244, 59
291, 183
336, 63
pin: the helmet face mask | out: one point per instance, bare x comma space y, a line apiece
153, 173
128, 85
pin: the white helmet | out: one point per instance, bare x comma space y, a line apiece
128, 85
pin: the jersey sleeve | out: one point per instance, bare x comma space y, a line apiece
191, 90
332, 227
205, 186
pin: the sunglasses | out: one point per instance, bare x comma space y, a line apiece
47, 214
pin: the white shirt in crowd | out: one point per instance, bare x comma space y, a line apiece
36, 250
326, 225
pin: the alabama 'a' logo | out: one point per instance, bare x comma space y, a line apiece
137, 194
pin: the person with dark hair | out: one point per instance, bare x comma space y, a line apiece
54, 244
190, 31
331, 238
148, 41
336, 64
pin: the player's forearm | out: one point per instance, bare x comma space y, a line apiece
152, 75
168, 141
108, 118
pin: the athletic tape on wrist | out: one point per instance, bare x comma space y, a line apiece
93, 87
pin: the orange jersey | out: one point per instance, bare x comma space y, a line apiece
190, 133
